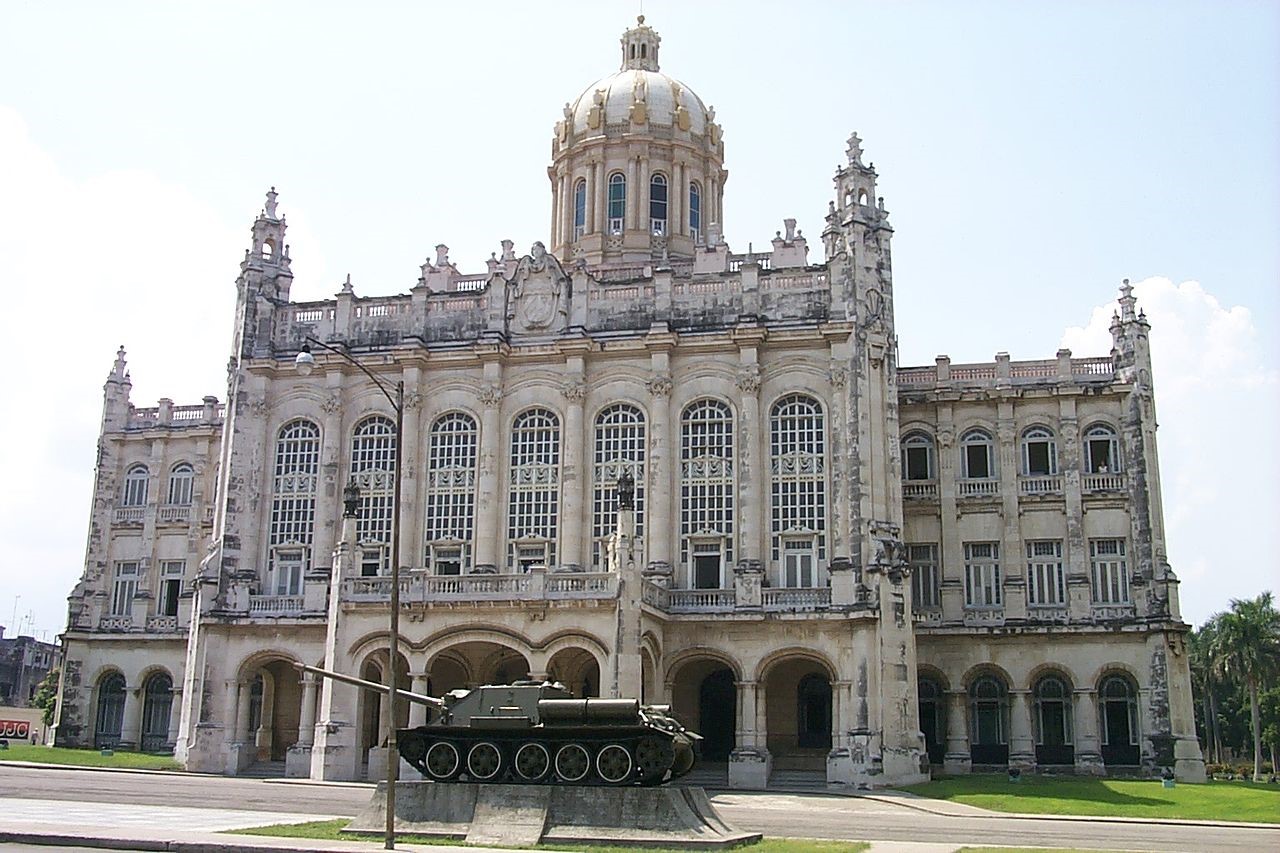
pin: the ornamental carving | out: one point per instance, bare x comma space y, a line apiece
257, 406
491, 395
413, 400
574, 391
838, 374
749, 379
331, 404
536, 295
660, 384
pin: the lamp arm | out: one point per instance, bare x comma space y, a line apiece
382, 386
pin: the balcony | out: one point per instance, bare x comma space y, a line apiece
420, 587
176, 514
920, 490
796, 599
1102, 483
275, 605
700, 600
986, 617
162, 624
1040, 484
1111, 612
130, 515
977, 488
1054, 614
927, 617
115, 623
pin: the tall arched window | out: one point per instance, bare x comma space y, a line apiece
1118, 710
977, 461
451, 493
1052, 719
917, 457
533, 506
933, 719
988, 721
798, 460
706, 492
617, 202
658, 204
135, 486
1039, 452
157, 704
695, 212
293, 505
619, 446
181, 481
579, 209
110, 711
1101, 450
373, 464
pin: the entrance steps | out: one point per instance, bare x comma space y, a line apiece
798, 780
264, 770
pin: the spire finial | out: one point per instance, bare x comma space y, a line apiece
271, 203
854, 150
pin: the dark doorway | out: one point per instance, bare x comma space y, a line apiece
717, 714
932, 720
1119, 723
107, 734
706, 571
156, 707
814, 713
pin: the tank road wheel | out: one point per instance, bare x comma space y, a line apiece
532, 761
573, 762
614, 764
442, 761
484, 760
654, 757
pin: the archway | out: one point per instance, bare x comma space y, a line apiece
157, 708
474, 663
1118, 709
933, 718
577, 669
989, 720
1053, 722
110, 711
798, 713
371, 707
704, 697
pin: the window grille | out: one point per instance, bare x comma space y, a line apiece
293, 502
533, 507
451, 491
706, 475
373, 463
1109, 571
181, 482
982, 574
1046, 584
798, 471
620, 446
135, 486
926, 586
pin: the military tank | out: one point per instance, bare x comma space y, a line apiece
537, 733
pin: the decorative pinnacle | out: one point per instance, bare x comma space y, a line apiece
854, 150
271, 203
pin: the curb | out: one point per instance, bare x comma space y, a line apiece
38, 765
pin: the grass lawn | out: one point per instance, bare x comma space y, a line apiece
1242, 801
87, 757
332, 829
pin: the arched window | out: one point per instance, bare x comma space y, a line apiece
695, 212
988, 723
798, 458
451, 493
157, 704
373, 464
1052, 719
533, 507
135, 486
579, 209
110, 711
1039, 452
620, 446
1101, 450
1118, 712
917, 457
658, 204
706, 492
293, 505
617, 202
181, 480
933, 719
977, 461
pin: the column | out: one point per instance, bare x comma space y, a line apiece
410, 520
573, 477
660, 494
1088, 748
750, 763
242, 712
175, 716
745, 737
231, 708
642, 197
418, 711
131, 724
676, 193
566, 208
751, 466
1022, 752
633, 194
589, 223
488, 534
329, 492
307, 719
957, 758
838, 729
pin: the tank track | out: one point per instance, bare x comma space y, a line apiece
541, 756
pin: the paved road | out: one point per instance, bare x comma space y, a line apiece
803, 815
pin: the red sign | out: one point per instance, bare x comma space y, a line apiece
15, 728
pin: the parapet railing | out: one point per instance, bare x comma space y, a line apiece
1013, 372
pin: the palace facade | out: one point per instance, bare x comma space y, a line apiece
838, 567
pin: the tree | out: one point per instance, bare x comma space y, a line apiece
1246, 647
46, 698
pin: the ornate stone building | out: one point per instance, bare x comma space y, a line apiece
837, 566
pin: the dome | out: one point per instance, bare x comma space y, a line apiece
638, 94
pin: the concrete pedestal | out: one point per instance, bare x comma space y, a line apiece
750, 768
523, 815
297, 762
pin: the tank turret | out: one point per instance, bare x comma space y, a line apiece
534, 733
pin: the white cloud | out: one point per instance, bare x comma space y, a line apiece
1217, 402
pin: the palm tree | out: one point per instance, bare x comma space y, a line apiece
1247, 648
1204, 677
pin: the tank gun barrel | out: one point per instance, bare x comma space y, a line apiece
370, 685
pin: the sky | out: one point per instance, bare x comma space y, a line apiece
1031, 154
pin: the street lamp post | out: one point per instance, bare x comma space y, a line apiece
395, 395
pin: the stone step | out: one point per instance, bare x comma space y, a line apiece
264, 770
